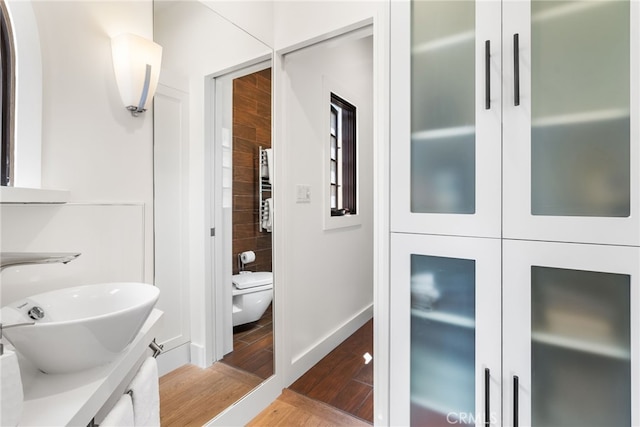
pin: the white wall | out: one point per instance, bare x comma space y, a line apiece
90, 145
297, 22
328, 272
171, 157
110, 238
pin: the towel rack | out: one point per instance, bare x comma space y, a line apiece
156, 348
264, 187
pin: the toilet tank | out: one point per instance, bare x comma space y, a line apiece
251, 279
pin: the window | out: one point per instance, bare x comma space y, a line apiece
342, 158
6, 97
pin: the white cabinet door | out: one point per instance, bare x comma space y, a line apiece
570, 334
571, 106
445, 117
445, 314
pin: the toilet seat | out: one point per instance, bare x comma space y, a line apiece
252, 280
254, 289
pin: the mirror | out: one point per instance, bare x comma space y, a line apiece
212, 114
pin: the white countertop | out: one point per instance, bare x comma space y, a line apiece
32, 195
74, 399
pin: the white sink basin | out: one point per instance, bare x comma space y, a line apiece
83, 327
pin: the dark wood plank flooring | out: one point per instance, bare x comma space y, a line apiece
253, 347
342, 379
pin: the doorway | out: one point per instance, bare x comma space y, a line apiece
325, 257
242, 130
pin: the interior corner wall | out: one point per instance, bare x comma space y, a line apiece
253, 16
329, 272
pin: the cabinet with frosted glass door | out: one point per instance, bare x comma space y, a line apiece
445, 349
571, 110
516, 123
445, 117
517, 119
571, 323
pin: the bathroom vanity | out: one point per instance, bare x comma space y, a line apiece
76, 398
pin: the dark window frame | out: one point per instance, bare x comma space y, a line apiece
347, 184
334, 182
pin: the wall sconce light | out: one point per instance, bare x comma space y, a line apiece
136, 62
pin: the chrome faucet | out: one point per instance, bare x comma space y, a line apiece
11, 326
10, 259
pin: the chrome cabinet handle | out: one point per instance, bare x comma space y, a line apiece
516, 69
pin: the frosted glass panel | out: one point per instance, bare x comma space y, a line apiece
580, 108
581, 346
446, 170
443, 107
442, 340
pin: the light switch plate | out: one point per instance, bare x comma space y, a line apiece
303, 193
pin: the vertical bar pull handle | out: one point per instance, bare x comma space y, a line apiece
515, 400
487, 75
516, 69
487, 398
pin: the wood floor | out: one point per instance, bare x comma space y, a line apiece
342, 379
253, 347
292, 409
338, 391
191, 396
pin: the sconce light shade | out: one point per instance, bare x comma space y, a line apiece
136, 62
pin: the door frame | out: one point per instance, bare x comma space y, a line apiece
379, 22
218, 252
247, 407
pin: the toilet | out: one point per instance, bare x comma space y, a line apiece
252, 294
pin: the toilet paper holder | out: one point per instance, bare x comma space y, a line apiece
245, 258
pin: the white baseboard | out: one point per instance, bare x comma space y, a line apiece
173, 359
303, 362
197, 355
248, 407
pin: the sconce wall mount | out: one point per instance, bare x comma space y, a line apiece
136, 62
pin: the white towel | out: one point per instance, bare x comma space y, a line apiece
146, 395
269, 164
264, 171
267, 216
121, 415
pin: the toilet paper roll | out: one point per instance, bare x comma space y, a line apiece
247, 257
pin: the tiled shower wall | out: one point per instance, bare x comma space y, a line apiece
251, 130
